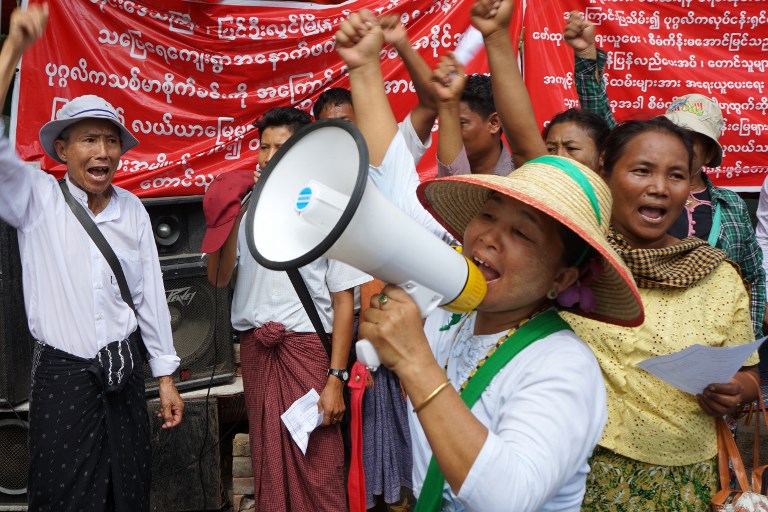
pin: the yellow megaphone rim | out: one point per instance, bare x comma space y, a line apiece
472, 294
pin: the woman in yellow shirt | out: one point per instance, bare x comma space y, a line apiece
658, 450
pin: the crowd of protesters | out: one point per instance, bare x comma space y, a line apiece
602, 244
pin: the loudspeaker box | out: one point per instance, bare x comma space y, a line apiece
202, 332
16, 343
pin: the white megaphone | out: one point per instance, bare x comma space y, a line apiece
314, 200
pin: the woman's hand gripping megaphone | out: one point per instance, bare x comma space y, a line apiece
422, 301
392, 331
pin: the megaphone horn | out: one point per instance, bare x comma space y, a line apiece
314, 200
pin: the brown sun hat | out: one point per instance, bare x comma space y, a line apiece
565, 190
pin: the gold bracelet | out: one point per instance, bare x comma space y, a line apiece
432, 395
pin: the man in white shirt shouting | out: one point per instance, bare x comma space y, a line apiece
89, 427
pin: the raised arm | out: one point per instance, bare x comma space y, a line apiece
19, 194
448, 81
358, 42
589, 62
392, 168
26, 27
580, 35
424, 113
491, 18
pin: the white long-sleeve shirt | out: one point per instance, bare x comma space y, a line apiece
397, 180
544, 411
71, 296
415, 147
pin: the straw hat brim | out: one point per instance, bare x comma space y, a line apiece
455, 201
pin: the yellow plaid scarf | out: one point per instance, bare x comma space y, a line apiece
679, 266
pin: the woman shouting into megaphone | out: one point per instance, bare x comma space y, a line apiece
507, 402
508, 393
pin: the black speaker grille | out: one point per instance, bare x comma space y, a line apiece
16, 343
201, 328
14, 452
178, 224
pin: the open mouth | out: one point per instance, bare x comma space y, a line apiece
99, 173
489, 273
653, 214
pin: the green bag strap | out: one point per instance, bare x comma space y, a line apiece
431, 497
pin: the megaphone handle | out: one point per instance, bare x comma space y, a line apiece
426, 299
367, 354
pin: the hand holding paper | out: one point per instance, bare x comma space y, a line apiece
302, 418
697, 366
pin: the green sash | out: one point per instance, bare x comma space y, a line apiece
431, 497
714, 233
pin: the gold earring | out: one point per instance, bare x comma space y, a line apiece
552, 295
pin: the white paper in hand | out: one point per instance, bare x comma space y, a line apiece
302, 418
694, 368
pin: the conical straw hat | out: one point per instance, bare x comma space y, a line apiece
567, 191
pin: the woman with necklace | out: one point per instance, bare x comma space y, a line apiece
493, 428
659, 445
518, 435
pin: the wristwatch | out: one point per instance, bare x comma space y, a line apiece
340, 374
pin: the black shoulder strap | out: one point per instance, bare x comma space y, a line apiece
309, 306
101, 243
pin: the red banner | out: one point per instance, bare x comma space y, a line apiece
189, 78
658, 50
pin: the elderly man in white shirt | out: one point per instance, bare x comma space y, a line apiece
89, 427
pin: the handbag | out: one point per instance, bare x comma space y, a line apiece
106, 250
114, 364
746, 498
